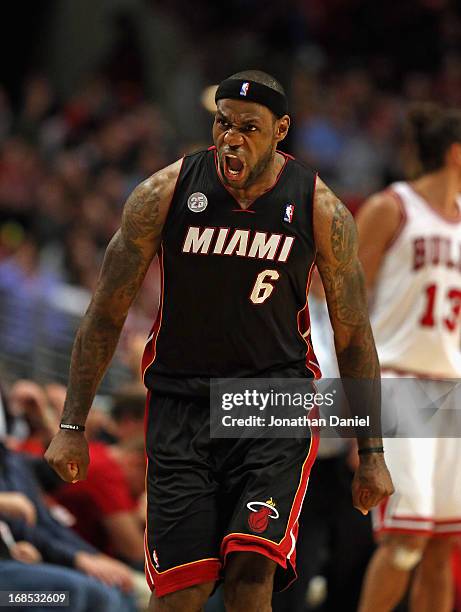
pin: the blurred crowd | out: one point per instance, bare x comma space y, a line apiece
65, 172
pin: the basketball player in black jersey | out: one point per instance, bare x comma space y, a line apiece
237, 229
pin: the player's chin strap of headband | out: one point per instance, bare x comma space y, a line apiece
238, 89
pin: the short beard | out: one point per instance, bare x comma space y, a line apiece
260, 166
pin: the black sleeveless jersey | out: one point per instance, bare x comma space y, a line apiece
234, 282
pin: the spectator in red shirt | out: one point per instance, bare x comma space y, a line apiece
105, 505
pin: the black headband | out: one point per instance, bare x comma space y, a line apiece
240, 89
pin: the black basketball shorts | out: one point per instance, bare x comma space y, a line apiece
208, 498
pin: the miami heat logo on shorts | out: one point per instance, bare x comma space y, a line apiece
261, 512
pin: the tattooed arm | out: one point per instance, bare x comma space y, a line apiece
337, 261
125, 264
342, 277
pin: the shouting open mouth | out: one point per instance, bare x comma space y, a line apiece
233, 167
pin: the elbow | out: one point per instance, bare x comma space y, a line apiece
357, 356
103, 317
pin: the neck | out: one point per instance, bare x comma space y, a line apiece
263, 182
440, 189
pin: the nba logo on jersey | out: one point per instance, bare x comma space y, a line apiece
288, 214
244, 89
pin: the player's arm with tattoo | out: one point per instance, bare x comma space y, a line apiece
127, 258
342, 277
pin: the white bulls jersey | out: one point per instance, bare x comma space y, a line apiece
416, 306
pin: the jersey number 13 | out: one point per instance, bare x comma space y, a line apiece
453, 296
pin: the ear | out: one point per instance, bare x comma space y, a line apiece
282, 127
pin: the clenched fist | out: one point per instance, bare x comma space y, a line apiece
68, 455
372, 482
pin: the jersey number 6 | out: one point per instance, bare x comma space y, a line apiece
262, 288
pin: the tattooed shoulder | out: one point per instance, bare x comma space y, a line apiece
336, 233
337, 244
147, 207
343, 234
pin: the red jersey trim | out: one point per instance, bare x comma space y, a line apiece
303, 320
311, 360
426, 532
150, 351
399, 517
316, 177
179, 577
380, 530
434, 527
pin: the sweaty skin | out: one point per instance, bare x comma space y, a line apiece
250, 132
